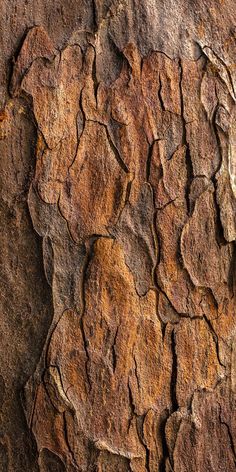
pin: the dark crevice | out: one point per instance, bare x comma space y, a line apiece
209, 292
89, 245
188, 160
123, 61
230, 439
33, 408
169, 301
174, 152
12, 63
116, 152
64, 218
118, 58
157, 286
190, 177
66, 436
232, 272
163, 328
94, 76
48, 395
95, 15
157, 247
215, 338
219, 227
167, 204
113, 146
96, 236
219, 233
93, 455
164, 54
213, 298
157, 262
81, 105
139, 424
160, 95
165, 450
113, 350
136, 372
132, 405
128, 191
77, 131
149, 159
174, 372
117, 122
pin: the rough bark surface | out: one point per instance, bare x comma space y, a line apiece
118, 225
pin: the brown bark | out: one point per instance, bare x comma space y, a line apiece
118, 225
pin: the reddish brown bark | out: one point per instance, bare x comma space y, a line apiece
117, 237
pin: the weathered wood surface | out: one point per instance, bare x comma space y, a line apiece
118, 227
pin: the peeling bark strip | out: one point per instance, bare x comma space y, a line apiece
118, 210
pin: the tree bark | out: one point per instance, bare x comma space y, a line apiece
118, 225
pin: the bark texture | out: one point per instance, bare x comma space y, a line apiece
118, 225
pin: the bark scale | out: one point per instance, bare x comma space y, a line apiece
118, 142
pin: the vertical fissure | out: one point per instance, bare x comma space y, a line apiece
173, 382
188, 159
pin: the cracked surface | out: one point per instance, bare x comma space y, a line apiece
117, 132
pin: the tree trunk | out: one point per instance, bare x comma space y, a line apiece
118, 222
